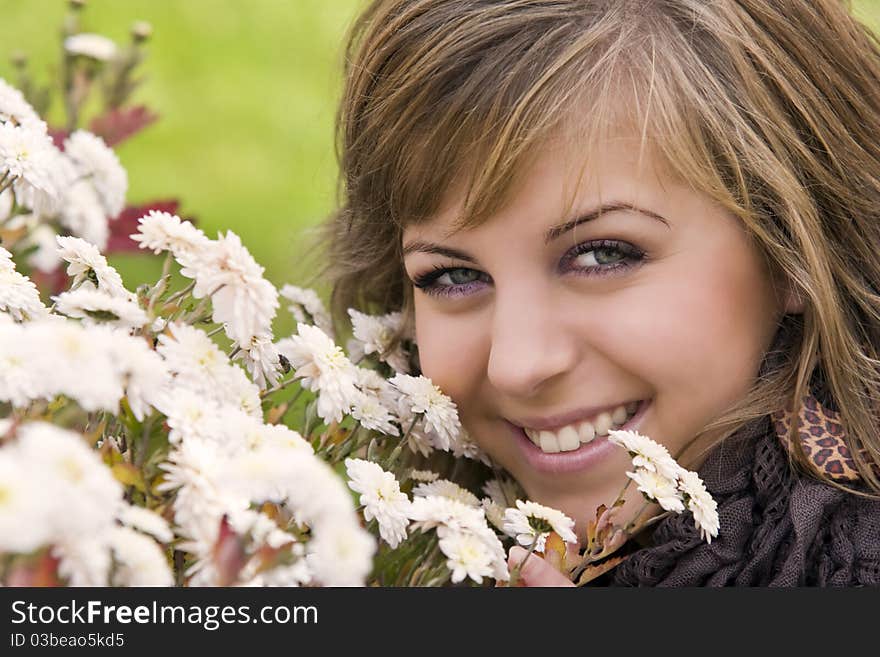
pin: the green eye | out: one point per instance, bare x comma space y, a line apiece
603, 255
462, 276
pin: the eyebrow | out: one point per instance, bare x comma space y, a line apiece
557, 231
551, 235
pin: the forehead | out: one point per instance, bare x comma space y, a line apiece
563, 175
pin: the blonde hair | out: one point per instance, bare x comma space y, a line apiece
770, 107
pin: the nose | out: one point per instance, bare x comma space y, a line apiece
532, 343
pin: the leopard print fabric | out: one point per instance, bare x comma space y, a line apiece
821, 434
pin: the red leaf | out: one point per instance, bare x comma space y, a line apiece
119, 124
126, 223
229, 555
52, 283
58, 136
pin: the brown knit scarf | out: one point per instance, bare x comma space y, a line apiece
778, 528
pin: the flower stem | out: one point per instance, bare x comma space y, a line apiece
517, 569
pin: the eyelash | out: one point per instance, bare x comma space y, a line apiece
427, 282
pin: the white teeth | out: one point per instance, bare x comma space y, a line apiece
603, 424
586, 432
548, 442
571, 437
568, 439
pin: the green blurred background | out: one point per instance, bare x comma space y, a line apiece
246, 91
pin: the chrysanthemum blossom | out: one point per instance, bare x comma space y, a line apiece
658, 488
146, 521
87, 265
94, 46
162, 231
446, 488
199, 365
323, 368
242, 300
19, 296
370, 413
646, 453
94, 306
700, 503
307, 307
96, 163
138, 560
29, 159
531, 522
381, 498
83, 215
260, 357
440, 413
467, 556
15, 109
373, 335
449, 517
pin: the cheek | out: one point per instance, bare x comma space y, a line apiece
706, 325
452, 351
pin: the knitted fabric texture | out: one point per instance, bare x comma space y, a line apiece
778, 528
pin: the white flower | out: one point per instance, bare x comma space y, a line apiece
261, 359
161, 231
242, 299
96, 307
83, 215
200, 366
44, 257
26, 505
646, 453
87, 264
139, 561
18, 295
369, 411
91, 496
323, 368
700, 503
84, 560
466, 447
502, 491
531, 523
307, 307
341, 555
28, 157
423, 397
658, 488
446, 488
381, 498
14, 107
423, 475
146, 521
494, 512
144, 374
50, 357
435, 511
7, 201
96, 162
451, 517
468, 556
95, 46
373, 334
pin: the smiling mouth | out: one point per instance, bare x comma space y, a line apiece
572, 436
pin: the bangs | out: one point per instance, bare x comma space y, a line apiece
488, 111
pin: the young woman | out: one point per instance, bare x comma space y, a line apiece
656, 214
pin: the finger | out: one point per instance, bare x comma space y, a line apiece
535, 571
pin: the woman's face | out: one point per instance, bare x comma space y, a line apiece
540, 320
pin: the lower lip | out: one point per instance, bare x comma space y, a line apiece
582, 458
